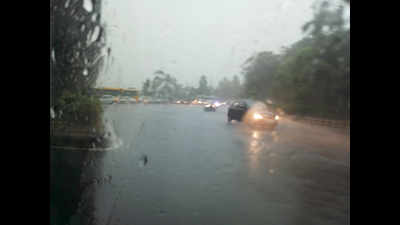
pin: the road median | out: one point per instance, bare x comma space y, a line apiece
77, 136
314, 121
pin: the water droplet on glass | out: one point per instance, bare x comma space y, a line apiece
95, 34
162, 212
66, 4
94, 17
85, 72
88, 5
325, 29
52, 114
143, 160
53, 55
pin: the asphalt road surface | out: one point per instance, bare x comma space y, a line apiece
180, 165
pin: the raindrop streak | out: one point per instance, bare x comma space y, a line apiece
143, 160
85, 72
53, 56
66, 4
95, 35
52, 114
162, 212
94, 17
88, 5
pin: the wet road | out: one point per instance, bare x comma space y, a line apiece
180, 165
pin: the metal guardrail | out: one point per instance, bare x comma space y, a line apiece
323, 122
60, 127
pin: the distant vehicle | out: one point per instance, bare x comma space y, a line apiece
255, 114
217, 103
201, 101
124, 100
210, 108
107, 99
161, 101
116, 99
158, 101
181, 101
133, 100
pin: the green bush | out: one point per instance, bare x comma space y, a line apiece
79, 109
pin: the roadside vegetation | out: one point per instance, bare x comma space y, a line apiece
312, 76
78, 52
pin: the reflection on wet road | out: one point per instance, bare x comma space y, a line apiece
180, 165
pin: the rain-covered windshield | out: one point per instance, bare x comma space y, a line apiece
200, 112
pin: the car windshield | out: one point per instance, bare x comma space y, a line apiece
199, 112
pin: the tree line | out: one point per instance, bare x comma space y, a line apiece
164, 85
310, 77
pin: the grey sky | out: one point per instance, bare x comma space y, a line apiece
189, 38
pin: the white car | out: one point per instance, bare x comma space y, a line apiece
124, 100
107, 99
132, 100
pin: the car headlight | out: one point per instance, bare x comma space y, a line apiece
257, 116
208, 105
276, 117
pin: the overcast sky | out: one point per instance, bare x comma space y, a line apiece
189, 38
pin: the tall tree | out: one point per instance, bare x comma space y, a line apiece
259, 74
146, 88
203, 86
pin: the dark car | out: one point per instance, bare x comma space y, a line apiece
210, 108
255, 114
237, 110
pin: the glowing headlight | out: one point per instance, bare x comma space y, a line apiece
257, 116
208, 105
276, 117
